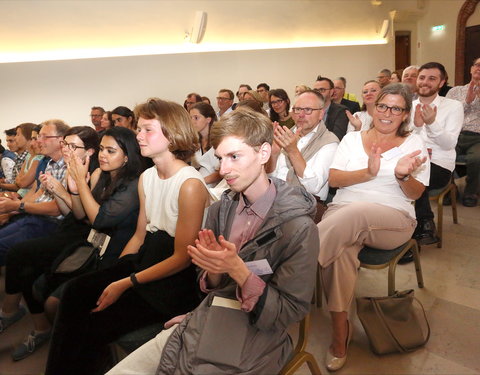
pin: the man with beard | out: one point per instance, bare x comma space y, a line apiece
438, 120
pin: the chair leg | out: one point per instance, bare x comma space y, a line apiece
391, 278
418, 267
453, 199
318, 288
313, 365
440, 221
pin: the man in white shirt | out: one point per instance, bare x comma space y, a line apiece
438, 121
302, 155
224, 102
469, 140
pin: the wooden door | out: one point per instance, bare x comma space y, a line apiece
402, 49
472, 49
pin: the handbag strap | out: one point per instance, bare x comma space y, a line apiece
397, 343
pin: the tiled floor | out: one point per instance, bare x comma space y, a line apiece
451, 297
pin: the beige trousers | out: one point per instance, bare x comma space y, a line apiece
343, 231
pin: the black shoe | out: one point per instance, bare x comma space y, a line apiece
470, 201
425, 232
406, 258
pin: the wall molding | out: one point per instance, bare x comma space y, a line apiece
467, 9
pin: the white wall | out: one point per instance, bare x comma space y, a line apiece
67, 89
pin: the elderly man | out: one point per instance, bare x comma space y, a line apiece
303, 155
469, 139
409, 77
224, 102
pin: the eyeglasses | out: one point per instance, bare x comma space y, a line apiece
396, 111
222, 99
307, 111
71, 146
43, 136
277, 102
321, 91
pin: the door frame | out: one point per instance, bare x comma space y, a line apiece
467, 9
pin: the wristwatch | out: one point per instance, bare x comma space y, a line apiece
21, 208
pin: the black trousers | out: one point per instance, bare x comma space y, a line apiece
439, 177
80, 337
27, 260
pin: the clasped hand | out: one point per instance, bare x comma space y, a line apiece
409, 164
77, 171
285, 138
217, 257
424, 115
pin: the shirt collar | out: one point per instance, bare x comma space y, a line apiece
261, 206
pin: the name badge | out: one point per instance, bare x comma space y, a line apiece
392, 153
259, 267
226, 302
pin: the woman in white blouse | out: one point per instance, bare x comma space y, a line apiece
379, 172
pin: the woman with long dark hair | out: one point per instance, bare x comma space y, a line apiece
124, 117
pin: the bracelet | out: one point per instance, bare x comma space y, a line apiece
133, 279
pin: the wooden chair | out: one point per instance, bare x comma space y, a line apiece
378, 259
300, 354
438, 195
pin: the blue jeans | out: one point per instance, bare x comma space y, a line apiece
30, 226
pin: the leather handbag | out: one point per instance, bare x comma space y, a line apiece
392, 323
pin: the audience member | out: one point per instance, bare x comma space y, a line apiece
374, 195
107, 121
438, 121
252, 104
396, 76
280, 108
154, 279
469, 139
192, 99
206, 100
263, 89
338, 93
124, 117
334, 116
40, 213
224, 102
302, 156
409, 77
8, 157
363, 120
26, 176
241, 326
22, 142
301, 88
203, 117
29, 259
96, 114
242, 89
383, 77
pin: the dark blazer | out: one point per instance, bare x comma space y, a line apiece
337, 120
351, 105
